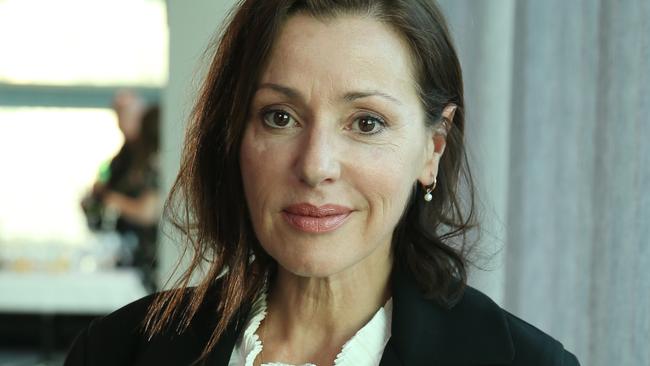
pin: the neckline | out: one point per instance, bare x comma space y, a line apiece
369, 340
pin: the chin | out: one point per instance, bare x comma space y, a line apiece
310, 267
318, 263
305, 262
322, 256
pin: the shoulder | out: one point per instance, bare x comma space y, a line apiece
113, 339
531, 345
119, 338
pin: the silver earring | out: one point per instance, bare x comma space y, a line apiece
428, 196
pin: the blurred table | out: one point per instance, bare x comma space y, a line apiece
45, 310
98, 292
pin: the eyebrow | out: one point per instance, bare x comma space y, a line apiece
348, 97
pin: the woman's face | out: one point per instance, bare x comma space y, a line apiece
335, 141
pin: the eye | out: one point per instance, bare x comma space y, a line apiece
368, 125
278, 119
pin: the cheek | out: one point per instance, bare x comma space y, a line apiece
251, 154
385, 177
263, 166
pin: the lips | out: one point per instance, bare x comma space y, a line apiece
316, 219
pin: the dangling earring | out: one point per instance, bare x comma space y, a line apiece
428, 196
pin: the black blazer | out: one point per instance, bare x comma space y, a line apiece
474, 332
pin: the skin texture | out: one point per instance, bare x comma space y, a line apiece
316, 135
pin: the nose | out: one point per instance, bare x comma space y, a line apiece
317, 162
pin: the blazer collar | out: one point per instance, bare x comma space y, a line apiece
473, 332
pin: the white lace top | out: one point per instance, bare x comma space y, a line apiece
365, 348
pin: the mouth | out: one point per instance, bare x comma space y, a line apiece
308, 218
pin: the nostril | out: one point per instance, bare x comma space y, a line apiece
314, 170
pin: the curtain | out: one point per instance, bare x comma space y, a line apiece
558, 103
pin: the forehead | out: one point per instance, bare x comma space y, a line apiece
342, 52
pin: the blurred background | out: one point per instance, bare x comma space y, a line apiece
95, 94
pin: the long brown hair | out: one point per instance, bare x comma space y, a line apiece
207, 203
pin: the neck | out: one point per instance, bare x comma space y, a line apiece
311, 318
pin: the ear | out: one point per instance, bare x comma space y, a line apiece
436, 143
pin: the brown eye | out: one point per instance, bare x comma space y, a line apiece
366, 125
277, 119
369, 125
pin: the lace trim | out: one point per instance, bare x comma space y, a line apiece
249, 344
367, 345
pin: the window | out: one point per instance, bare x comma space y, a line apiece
83, 42
62, 61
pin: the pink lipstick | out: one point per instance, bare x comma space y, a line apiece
316, 219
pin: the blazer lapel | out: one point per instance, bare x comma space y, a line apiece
220, 354
390, 357
472, 332
204, 324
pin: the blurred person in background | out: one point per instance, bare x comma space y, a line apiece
125, 198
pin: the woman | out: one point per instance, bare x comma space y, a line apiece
320, 183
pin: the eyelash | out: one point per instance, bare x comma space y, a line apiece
269, 113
